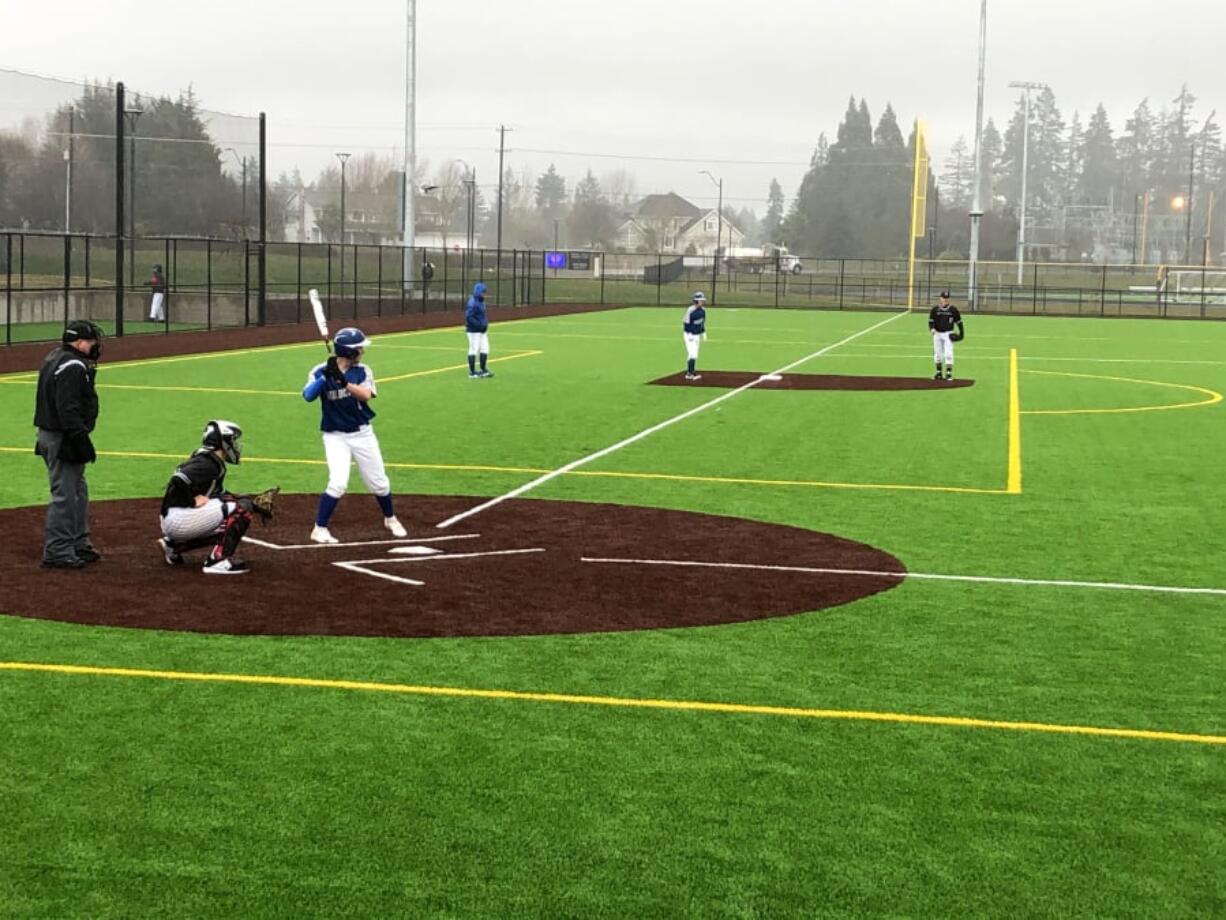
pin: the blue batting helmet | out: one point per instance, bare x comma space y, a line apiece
699, 296
348, 341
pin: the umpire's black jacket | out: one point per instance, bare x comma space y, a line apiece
67, 401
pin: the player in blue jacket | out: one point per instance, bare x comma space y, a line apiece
477, 325
344, 387
694, 330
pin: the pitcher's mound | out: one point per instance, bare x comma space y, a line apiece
730, 380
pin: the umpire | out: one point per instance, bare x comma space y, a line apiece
65, 412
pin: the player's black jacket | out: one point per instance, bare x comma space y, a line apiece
66, 400
944, 318
201, 474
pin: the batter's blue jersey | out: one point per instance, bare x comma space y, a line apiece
341, 410
695, 321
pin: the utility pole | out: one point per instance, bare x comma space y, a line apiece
1187, 237
407, 191
1025, 87
502, 149
343, 157
719, 227
68, 152
972, 297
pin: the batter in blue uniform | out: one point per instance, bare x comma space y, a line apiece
344, 387
694, 331
477, 324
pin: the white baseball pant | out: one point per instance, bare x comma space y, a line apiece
184, 524
942, 348
478, 343
360, 447
691, 344
157, 307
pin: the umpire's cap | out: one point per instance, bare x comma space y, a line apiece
944, 295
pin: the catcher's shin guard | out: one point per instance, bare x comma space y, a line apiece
231, 531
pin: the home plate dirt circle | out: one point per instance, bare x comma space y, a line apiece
524, 567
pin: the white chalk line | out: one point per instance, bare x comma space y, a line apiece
873, 573
362, 570
575, 464
360, 566
342, 545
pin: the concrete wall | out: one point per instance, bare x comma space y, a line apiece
192, 308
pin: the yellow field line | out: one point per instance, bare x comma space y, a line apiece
608, 474
458, 367
1214, 396
1013, 480
852, 715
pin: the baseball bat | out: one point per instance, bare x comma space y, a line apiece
321, 320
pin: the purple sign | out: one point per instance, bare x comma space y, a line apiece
555, 260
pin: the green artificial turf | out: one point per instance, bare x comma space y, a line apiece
128, 796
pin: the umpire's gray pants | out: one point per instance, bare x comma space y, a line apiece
67, 526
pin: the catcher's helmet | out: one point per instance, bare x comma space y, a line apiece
699, 297
83, 329
226, 436
348, 341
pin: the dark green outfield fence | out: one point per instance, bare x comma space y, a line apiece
48, 279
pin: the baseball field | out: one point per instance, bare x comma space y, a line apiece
1012, 704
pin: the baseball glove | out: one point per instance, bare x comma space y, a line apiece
957, 336
260, 504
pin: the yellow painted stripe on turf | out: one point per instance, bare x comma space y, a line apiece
610, 474
1213, 395
1013, 481
852, 715
458, 367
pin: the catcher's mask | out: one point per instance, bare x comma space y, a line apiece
348, 341
226, 436
83, 330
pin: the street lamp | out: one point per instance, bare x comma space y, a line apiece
132, 114
343, 157
719, 227
1025, 87
470, 218
243, 165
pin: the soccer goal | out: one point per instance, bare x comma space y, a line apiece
1196, 286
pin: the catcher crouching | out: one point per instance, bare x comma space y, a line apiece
197, 511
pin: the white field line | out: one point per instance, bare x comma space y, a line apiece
966, 358
267, 545
356, 567
646, 432
384, 560
871, 573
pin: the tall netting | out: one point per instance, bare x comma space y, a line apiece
188, 174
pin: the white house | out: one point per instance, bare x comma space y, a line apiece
671, 224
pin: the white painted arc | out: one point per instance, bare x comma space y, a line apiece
660, 426
871, 573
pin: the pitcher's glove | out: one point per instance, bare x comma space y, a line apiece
956, 336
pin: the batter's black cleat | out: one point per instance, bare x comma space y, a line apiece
226, 566
173, 557
70, 563
949, 375
936, 376
89, 554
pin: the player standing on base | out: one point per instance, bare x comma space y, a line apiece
694, 331
941, 322
345, 387
477, 324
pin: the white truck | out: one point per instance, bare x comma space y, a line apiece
769, 258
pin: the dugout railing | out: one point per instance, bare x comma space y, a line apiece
51, 278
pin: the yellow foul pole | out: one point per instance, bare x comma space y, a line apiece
919, 202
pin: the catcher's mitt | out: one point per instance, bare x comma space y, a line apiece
262, 503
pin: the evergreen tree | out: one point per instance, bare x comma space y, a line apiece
1100, 167
774, 213
1074, 163
958, 179
550, 192
591, 220
1135, 150
991, 167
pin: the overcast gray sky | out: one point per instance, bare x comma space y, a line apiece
702, 82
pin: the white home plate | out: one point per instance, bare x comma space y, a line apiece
415, 550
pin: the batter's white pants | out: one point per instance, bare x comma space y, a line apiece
360, 447
691, 345
184, 524
942, 348
478, 343
157, 307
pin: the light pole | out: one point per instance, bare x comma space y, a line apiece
719, 227
1187, 239
242, 165
68, 151
470, 219
976, 213
343, 157
1025, 87
132, 114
